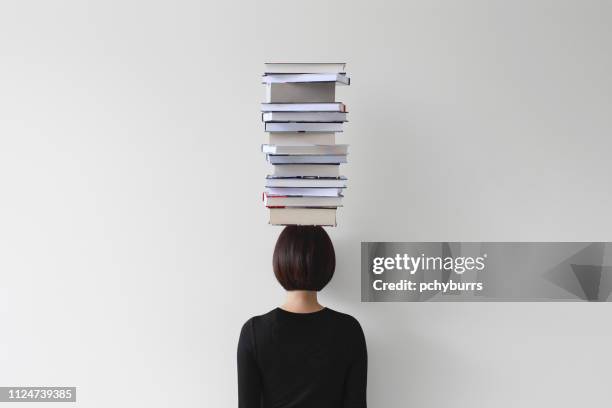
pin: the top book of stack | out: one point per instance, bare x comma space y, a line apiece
303, 83
305, 68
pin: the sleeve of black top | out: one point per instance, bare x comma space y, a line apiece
357, 376
249, 377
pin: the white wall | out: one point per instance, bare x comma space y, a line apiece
133, 242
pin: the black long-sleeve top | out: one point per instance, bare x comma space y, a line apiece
302, 360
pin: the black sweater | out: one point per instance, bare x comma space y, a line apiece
302, 360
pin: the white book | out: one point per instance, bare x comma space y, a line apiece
304, 67
303, 216
304, 117
303, 107
305, 182
307, 159
305, 149
298, 201
315, 92
307, 170
289, 78
303, 127
304, 191
301, 138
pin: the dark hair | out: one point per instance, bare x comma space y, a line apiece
304, 258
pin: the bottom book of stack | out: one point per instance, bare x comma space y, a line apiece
303, 216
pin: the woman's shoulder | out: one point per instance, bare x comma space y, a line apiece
255, 324
254, 320
345, 318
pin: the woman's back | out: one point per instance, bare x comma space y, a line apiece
310, 360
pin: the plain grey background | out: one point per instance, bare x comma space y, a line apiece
133, 240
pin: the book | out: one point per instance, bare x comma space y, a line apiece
305, 149
307, 170
307, 159
304, 191
303, 107
301, 201
301, 138
303, 127
289, 78
316, 92
303, 216
303, 67
304, 117
313, 182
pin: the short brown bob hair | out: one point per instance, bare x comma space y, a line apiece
304, 258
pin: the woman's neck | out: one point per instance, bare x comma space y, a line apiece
301, 301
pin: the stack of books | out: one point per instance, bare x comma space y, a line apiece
302, 117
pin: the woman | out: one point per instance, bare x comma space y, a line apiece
302, 354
